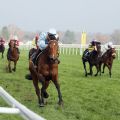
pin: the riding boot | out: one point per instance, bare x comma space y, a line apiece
34, 57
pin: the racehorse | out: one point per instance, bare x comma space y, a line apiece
107, 59
2, 49
93, 59
12, 56
47, 69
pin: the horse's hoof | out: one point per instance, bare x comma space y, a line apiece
85, 75
13, 69
60, 103
28, 77
10, 71
46, 95
95, 75
41, 105
89, 73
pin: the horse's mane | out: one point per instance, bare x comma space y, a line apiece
108, 52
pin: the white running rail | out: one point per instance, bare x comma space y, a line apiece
17, 108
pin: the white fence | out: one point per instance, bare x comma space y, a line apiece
17, 108
71, 49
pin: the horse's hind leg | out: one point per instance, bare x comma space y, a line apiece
60, 102
103, 68
91, 72
98, 69
14, 69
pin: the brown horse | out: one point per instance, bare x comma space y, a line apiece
12, 55
2, 49
107, 59
47, 69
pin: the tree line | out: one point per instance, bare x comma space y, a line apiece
67, 37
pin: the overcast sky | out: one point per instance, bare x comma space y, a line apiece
76, 15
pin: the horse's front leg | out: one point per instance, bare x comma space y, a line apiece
109, 67
2, 55
46, 95
103, 68
9, 66
14, 69
85, 68
35, 82
55, 81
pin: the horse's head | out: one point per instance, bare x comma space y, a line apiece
53, 50
12, 44
112, 52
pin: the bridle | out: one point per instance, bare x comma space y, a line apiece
52, 57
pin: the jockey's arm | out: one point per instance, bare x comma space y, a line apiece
95, 48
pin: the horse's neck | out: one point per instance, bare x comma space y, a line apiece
43, 56
106, 55
13, 50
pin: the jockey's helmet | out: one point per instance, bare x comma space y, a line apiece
15, 37
52, 31
57, 37
110, 44
93, 42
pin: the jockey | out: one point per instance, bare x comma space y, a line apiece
106, 47
92, 47
35, 40
15, 41
110, 45
43, 41
2, 41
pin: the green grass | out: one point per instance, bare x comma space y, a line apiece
85, 98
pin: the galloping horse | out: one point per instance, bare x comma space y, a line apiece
107, 59
47, 69
93, 60
12, 55
2, 49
